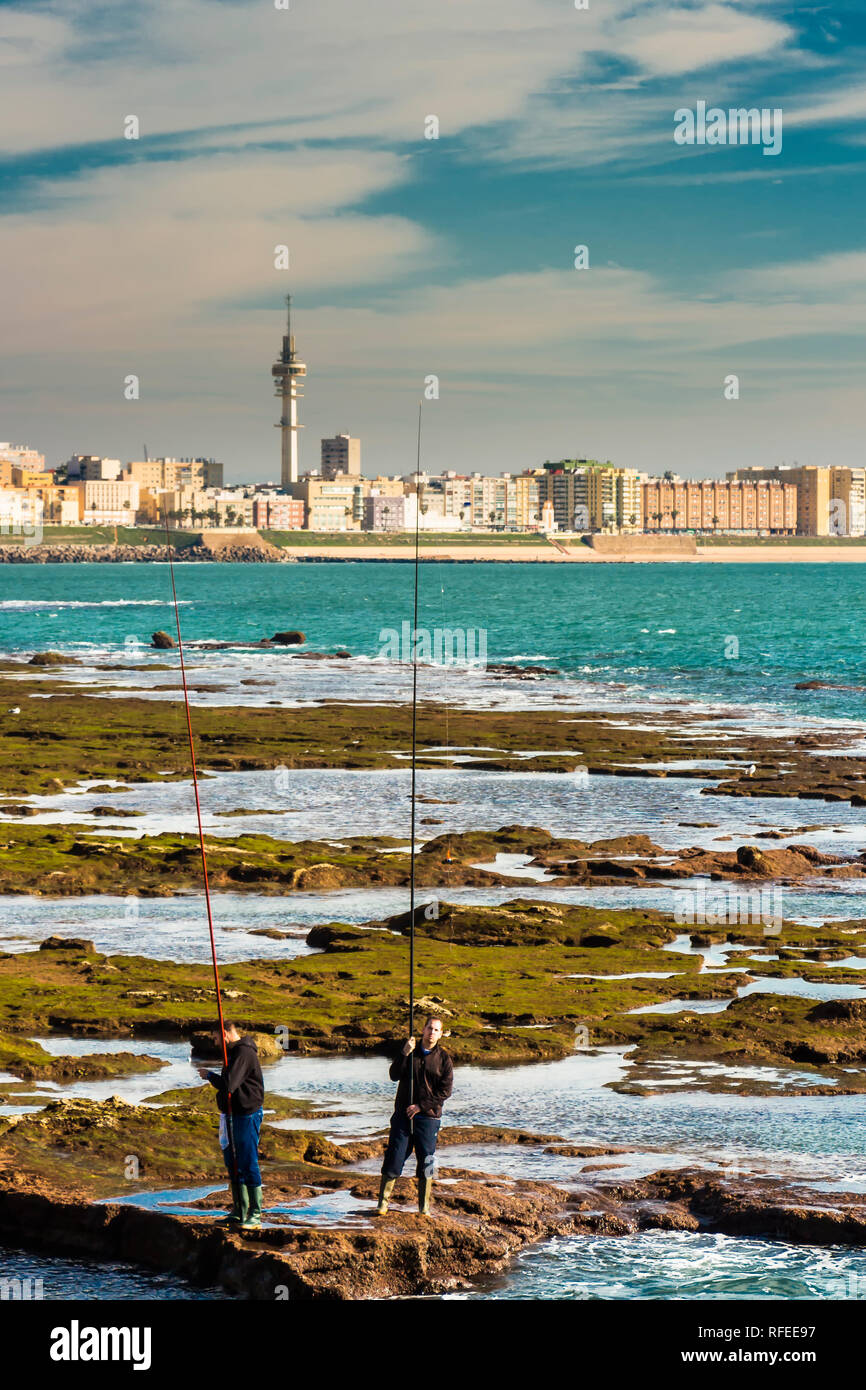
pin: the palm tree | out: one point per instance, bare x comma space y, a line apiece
674, 515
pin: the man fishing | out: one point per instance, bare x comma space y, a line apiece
240, 1092
425, 1080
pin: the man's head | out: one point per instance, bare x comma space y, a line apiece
230, 1033
432, 1032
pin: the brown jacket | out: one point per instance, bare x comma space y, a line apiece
433, 1081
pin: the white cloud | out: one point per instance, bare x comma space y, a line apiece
673, 41
138, 247
337, 69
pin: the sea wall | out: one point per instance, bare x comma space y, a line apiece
642, 547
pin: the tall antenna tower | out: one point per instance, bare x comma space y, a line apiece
287, 371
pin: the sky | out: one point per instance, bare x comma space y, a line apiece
411, 257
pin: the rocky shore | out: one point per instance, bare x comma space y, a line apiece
124, 554
321, 1238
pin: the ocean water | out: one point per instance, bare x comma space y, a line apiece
621, 633
332, 803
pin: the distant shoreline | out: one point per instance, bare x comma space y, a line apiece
254, 548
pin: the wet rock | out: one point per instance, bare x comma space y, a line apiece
289, 639
79, 944
50, 659
162, 641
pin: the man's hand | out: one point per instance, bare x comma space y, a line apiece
413, 1110
408, 1046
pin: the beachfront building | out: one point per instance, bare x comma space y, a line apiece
342, 454
848, 501
590, 496
335, 505
813, 493
385, 513
750, 507
107, 502
171, 473
277, 511
485, 502
193, 508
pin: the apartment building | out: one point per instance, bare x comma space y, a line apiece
331, 504
590, 496
107, 502
277, 511
813, 493
342, 454
706, 504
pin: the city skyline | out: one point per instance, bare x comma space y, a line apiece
454, 257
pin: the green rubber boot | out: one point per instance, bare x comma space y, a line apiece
239, 1205
253, 1219
425, 1186
386, 1187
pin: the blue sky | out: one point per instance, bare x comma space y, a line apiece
453, 257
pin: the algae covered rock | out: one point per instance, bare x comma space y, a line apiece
49, 659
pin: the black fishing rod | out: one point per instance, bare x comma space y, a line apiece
414, 752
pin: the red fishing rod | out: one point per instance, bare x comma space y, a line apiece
216, 973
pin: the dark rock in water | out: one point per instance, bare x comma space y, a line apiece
289, 639
48, 659
344, 656
750, 858
825, 685
162, 641
18, 808
113, 811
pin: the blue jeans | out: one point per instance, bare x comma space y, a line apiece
419, 1134
245, 1129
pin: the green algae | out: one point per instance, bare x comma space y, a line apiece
502, 979
102, 1146
131, 738
29, 1060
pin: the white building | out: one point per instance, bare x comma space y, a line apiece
106, 502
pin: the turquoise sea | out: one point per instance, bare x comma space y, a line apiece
659, 631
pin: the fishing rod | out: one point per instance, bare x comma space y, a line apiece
414, 752
216, 973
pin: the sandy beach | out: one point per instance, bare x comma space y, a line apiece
583, 554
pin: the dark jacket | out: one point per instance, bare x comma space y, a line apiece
433, 1081
243, 1079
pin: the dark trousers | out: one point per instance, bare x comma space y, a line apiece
419, 1134
245, 1129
